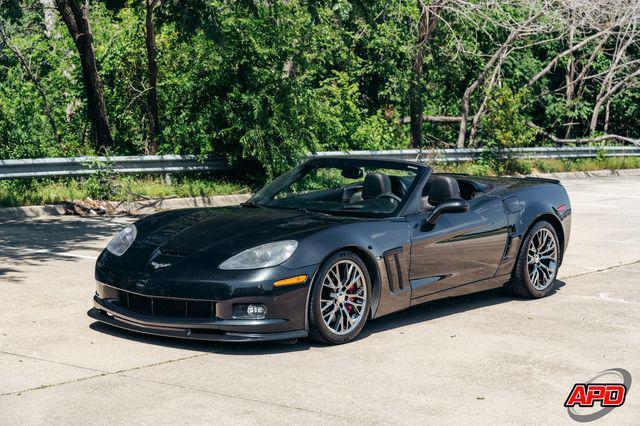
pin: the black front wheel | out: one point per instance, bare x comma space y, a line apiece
340, 299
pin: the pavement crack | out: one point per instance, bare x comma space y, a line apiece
35, 358
81, 379
242, 398
51, 385
155, 364
123, 373
608, 268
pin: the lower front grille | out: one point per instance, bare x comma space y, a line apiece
171, 308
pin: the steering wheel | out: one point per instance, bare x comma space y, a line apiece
390, 196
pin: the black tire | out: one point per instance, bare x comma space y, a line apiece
521, 283
319, 331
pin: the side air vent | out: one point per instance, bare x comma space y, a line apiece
393, 267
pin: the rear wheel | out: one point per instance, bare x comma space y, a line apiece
537, 264
340, 299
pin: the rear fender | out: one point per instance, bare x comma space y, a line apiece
545, 202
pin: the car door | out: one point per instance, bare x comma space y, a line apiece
459, 249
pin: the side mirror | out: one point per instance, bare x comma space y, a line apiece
450, 205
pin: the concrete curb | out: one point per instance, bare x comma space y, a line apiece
155, 205
152, 206
134, 207
9, 213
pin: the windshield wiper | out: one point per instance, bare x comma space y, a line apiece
307, 211
251, 204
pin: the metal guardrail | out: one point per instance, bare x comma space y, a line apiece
149, 164
470, 154
84, 166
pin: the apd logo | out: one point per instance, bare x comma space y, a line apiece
596, 400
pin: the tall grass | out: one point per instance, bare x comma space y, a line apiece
529, 166
52, 191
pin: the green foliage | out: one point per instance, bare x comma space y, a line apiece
543, 165
504, 123
266, 82
504, 126
51, 191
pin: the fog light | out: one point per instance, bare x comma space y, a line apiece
253, 311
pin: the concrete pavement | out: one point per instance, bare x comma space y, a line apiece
481, 358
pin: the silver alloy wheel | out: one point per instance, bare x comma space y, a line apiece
343, 297
542, 259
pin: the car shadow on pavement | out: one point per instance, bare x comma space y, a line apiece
8, 271
445, 307
35, 242
420, 313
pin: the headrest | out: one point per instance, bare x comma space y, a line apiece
399, 185
441, 188
375, 184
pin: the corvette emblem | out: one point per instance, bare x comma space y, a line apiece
157, 265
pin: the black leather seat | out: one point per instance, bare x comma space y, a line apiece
438, 189
400, 185
375, 184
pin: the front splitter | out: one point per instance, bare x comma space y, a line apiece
192, 334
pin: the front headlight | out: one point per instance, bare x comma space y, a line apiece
122, 240
264, 256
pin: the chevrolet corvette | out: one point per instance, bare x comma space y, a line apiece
326, 247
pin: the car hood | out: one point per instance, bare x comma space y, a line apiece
228, 230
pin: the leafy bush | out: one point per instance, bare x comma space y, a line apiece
504, 126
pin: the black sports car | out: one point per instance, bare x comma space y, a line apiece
328, 245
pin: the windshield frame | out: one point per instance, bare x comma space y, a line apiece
271, 189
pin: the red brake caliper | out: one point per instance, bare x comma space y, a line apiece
350, 290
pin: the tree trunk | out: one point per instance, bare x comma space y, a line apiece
569, 79
597, 139
462, 131
607, 96
152, 70
48, 9
606, 90
76, 19
478, 115
415, 90
579, 82
551, 64
426, 25
433, 119
466, 98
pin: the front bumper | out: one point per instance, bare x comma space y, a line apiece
195, 282
229, 330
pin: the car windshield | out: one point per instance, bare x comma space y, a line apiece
352, 188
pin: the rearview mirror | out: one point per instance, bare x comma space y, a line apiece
450, 205
352, 173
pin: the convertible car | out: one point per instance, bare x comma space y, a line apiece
327, 246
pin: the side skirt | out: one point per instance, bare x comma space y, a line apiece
488, 284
